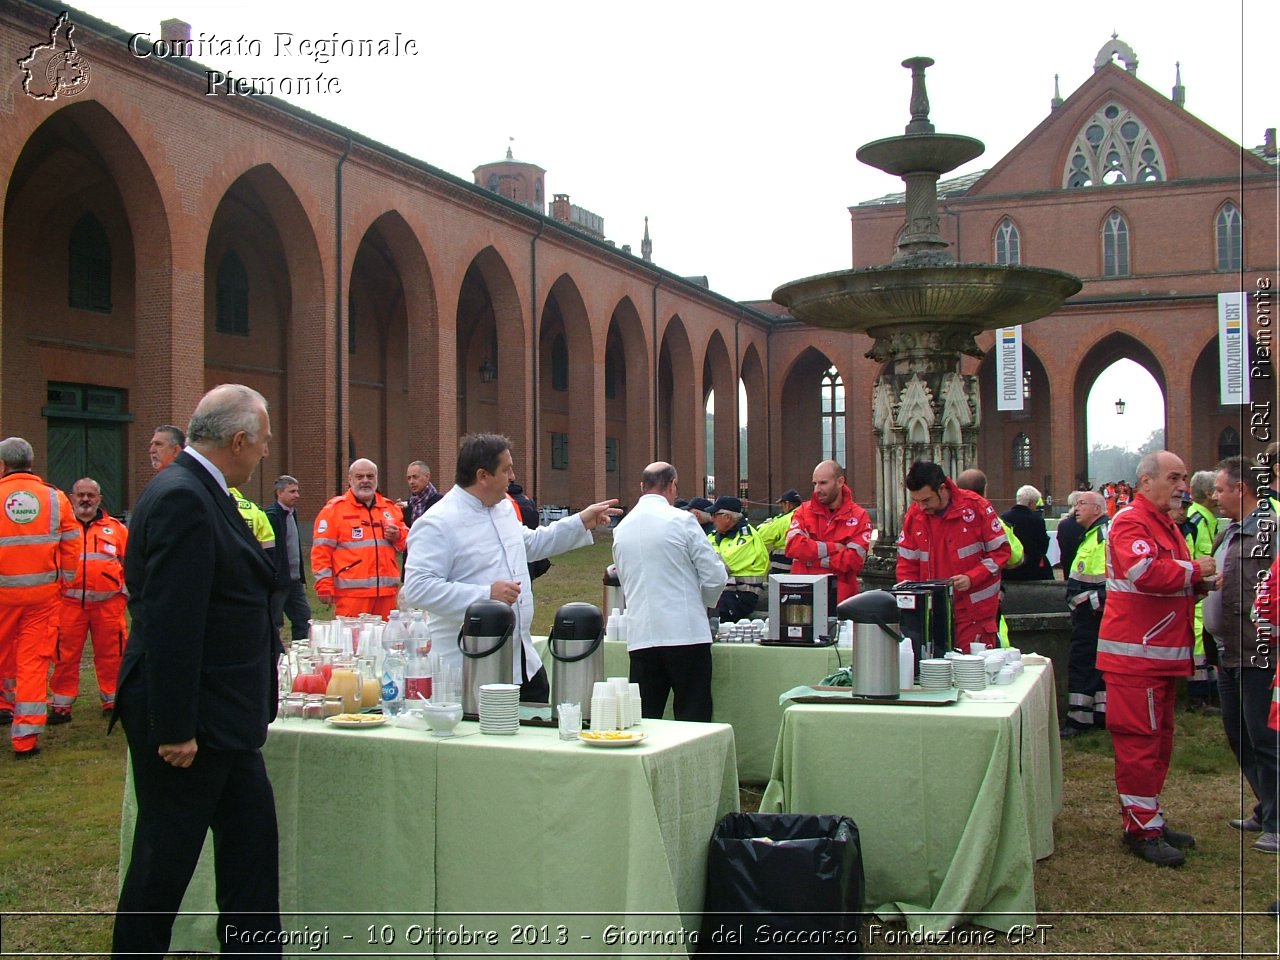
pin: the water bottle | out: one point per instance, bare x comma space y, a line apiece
419, 636
395, 631
393, 676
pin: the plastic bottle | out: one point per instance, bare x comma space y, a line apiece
419, 635
395, 631
393, 677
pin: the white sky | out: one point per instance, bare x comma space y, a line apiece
732, 126
1143, 406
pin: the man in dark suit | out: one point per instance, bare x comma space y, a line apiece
290, 593
198, 688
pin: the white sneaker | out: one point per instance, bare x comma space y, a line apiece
1268, 843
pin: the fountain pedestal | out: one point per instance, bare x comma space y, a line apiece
924, 311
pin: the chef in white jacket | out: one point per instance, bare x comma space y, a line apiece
472, 546
670, 575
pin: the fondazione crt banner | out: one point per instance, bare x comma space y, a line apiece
1009, 368
1233, 338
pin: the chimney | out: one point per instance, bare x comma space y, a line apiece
175, 31
1269, 142
560, 211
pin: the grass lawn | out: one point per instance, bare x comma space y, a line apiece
59, 842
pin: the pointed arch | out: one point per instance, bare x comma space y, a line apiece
627, 389
755, 385
679, 411
1119, 345
492, 344
800, 424
81, 160
570, 397
718, 376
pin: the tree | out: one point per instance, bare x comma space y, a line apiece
1153, 443
1108, 463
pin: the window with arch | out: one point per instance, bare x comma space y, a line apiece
1230, 234
232, 296
1022, 452
1008, 243
1113, 147
832, 416
89, 266
559, 364
1115, 246
537, 191
1228, 443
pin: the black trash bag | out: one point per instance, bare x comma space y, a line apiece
783, 883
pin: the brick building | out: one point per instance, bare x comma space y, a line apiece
156, 241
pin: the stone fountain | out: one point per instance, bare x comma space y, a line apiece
923, 310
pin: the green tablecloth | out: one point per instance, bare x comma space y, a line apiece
746, 681
954, 804
392, 827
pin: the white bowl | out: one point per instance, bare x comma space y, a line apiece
442, 717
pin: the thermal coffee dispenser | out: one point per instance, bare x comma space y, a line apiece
925, 615
802, 607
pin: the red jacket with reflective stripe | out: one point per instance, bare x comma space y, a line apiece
350, 554
99, 574
968, 538
39, 540
1146, 624
814, 529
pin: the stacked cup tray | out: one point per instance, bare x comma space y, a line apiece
500, 709
935, 674
970, 672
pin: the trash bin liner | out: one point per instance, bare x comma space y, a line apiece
783, 883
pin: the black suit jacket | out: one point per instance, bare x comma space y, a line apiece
1028, 526
276, 514
201, 651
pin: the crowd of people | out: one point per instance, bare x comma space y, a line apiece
1168, 577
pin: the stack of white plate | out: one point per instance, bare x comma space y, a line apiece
970, 672
500, 708
935, 674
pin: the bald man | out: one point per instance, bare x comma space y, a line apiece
354, 547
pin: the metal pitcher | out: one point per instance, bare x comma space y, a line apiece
576, 644
875, 643
614, 599
487, 654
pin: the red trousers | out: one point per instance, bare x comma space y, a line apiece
27, 637
75, 621
1140, 721
354, 606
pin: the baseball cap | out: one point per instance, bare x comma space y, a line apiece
700, 503
791, 496
732, 504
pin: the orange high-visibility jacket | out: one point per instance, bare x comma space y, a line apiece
350, 553
99, 574
39, 540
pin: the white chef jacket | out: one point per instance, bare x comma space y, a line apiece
670, 575
458, 548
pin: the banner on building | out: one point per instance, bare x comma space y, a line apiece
1233, 336
1009, 368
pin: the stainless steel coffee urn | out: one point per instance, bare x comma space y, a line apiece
487, 651
614, 599
875, 643
576, 644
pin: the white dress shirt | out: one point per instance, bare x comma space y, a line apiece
460, 547
670, 575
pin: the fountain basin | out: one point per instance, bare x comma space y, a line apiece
920, 153
974, 296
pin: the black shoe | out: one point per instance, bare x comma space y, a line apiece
1274, 909
58, 717
1178, 840
1251, 825
1155, 850
1070, 731
6, 717
26, 754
